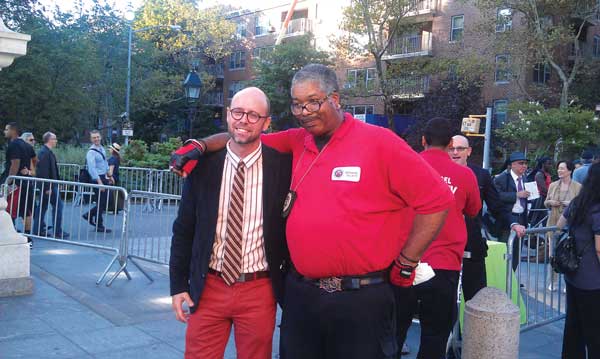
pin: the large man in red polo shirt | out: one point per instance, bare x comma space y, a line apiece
435, 299
350, 219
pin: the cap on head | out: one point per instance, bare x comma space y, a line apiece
517, 156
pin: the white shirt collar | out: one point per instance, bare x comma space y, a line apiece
249, 160
515, 176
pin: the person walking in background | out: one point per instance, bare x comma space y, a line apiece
580, 174
582, 323
113, 164
20, 161
511, 188
50, 194
97, 167
560, 194
542, 178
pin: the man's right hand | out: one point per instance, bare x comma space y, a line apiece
185, 158
177, 302
523, 194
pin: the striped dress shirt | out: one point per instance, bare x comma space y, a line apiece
253, 250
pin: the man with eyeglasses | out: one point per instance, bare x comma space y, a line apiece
357, 223
473, 270
511, 188
229, 251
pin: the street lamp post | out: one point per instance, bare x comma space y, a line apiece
192, 86
128, 90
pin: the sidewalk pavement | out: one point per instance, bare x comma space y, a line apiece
69, 316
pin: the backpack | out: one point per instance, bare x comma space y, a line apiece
84, 175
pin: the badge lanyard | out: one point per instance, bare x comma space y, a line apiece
290, 199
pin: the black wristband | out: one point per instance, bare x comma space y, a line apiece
408, 259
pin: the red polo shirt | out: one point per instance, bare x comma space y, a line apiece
446, 251
354, 207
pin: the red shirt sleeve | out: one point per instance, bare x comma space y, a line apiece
473, 204
278, 140
413, 179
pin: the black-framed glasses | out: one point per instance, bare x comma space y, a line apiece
251, 116
311, 106
31, 140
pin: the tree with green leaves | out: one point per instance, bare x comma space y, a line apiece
553, 130
274, 72
551, 32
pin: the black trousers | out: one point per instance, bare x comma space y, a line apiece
350, 324
435, 302
582, 325
101, 198
473, 276
520, 219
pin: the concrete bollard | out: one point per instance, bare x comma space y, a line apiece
14, 255
491, 326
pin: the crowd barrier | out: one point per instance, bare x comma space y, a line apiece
65, 220
542, 290
150, 180
150, 228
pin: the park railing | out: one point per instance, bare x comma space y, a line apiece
57, 211
542, 290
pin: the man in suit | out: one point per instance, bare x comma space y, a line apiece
48, 168
511, 188
473, 270
229, 252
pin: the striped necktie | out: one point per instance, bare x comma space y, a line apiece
232, 258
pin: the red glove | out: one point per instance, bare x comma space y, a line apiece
186, 157
402, 275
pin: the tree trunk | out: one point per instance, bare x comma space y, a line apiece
389, 113
564, 95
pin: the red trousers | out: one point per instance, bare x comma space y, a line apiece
249, 306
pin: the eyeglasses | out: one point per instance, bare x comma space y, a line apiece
457, 149
31, 140
251, 116
311, 106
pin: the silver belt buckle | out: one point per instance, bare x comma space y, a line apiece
331, 284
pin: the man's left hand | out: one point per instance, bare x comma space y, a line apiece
402, 274
519, 229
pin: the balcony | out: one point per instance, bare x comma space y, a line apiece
420, 7
408, 87
298, 27
213, 98
409, 46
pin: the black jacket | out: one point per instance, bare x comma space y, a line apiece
46, 166
508, 195
195, 226
476, 244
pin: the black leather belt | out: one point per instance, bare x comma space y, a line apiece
338, 284
244, 277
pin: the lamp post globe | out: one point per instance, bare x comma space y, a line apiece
193, 87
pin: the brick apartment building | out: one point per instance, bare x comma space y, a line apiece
445, 27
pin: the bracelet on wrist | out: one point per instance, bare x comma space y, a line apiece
408, 259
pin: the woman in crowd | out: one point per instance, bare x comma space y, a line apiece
113, 164
582, 324
560, 194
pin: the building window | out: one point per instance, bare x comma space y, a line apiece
261, 52
261, 25
240, 30
235, 87
596, 48
360, 112
541, 73
452, 73
237, 60
503, 19
500, 112
502, 69
457, 28
361, 78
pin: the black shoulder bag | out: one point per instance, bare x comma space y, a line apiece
566, 259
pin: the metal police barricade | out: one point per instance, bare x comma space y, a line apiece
543, 300
69, 171
150, 232
45, 209
169, 183
138, 178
